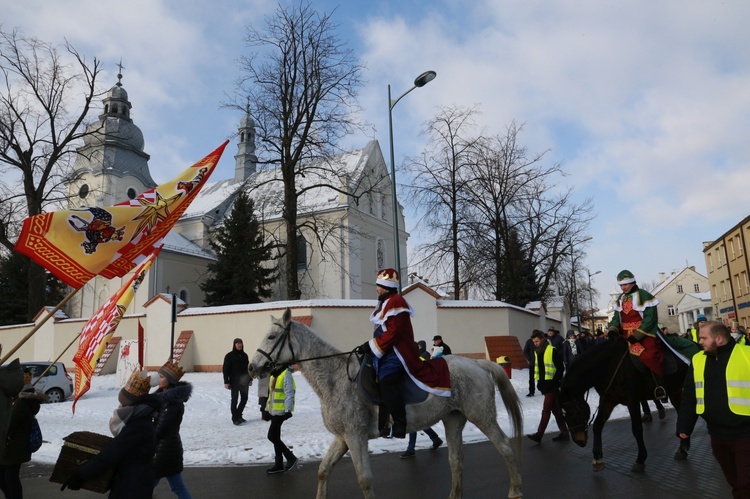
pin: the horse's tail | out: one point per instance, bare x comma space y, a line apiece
508, 394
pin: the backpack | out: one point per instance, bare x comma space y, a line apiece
35, 436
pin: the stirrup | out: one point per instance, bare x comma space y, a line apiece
660, 393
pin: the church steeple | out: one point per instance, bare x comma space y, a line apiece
245, 159
111, 165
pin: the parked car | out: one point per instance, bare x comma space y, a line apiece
56, 383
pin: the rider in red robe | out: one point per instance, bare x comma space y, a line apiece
393, 348
636, 318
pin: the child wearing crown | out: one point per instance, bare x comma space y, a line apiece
131, 451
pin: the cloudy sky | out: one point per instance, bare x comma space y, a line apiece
645, 104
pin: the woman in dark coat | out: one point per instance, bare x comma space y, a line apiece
168, 459
132, 450
17, 451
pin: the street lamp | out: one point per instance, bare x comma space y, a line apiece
420, 81
573, 271
591, 296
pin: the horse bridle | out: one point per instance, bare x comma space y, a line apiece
282, 340
285, 339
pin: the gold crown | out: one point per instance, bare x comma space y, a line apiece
172, 371
388, 278
137, 385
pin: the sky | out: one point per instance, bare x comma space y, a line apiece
644, 104
247, 444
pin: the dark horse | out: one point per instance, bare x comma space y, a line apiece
619, 378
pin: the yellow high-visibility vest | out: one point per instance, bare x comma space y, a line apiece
277, 399
738, 381
549, 364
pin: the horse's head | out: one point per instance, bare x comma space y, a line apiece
576, 412
275, 348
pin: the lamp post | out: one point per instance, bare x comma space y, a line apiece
573, 271
420, 81
591, 296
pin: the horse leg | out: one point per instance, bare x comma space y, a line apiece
454, 425
646, 418
358, 450
603, 415
504, 446
636, 426
660, 408
335, 452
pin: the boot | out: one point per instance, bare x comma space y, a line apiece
278, 467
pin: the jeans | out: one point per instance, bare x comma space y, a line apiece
413, 438
177, 486
238, 391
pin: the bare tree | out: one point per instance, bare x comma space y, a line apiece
301, 82
44, 99
439, 182
518, 222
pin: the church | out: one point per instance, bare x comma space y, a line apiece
344, 211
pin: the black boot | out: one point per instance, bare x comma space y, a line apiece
278, 467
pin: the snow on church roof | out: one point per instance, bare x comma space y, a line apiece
266, 187
176, 242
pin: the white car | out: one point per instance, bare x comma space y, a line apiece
56, 383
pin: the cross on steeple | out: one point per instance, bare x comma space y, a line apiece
119, 73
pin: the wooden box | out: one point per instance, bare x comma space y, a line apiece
78, 448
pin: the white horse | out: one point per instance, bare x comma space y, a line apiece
353, 420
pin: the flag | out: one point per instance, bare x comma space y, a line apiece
76, 245
100, 328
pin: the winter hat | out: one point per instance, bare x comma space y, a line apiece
138, 384
701, 318
388, 278
625, 277
437, 337
172, 371
571, 333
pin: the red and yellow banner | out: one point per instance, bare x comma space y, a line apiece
76, 245
100, 328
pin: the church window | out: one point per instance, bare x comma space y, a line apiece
185, 295
301, 252
132, 193
380, 254
383, 206
83, 191
106, 108
242, 137
371, 202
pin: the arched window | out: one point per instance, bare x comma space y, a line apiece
184, 295
301, 252
380, 255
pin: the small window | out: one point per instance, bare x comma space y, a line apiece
380, 255
679, 288
301, 252
83, 191
132, 193
670, 310
697, 288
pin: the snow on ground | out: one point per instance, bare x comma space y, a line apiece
210, 438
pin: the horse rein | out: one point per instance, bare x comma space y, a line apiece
285, 339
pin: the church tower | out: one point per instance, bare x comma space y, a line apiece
245, 159
111, 165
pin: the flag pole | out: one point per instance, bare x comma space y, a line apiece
58, 358
36, 328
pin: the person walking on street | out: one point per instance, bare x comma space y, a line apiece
716, 389
692, 333
528, 352
263, 399
281, 406
237, 379
168, 458
571, 349
17, 451
548, 371
554, 338
132, 450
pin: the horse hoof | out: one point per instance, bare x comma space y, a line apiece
646, 418
638, 468
680, 455
598, 465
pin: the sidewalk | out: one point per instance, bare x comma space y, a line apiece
550, 470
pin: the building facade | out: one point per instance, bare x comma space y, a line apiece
728, 268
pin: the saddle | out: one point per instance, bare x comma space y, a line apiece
368, 385
669, 366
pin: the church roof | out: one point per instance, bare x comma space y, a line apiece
178, 243
267, 189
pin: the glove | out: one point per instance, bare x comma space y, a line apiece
363, 349
265, 416
74, 482
632, 339
287, 415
